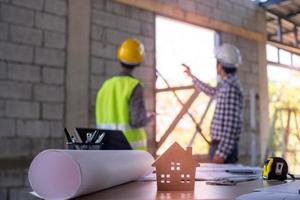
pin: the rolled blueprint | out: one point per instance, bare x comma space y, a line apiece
64, 174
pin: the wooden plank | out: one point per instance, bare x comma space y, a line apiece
193, 18
170, 89
182, 112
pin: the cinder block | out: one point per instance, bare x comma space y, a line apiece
211, 3
204, 10
112, 68
240, 11
26, 35
149, 59
33, 128
148, 29
143, 15
52, 111
32, 4
49, 93
24, 72
250, 25
129, 25
50, 22
252, 79
228, 38
249, 5
104, 50
7, 128
3, 70
3, 193
97, 66
255, 68
93, 99
2, 108
141, 72
39, 145
57, 7
116, 37
11, 178
57, 130
98, 4
3, 31
55, 40
97, 32
52, 75
188, 5
225, 6
49, 57
104, 18
119, 9
15, 52
9, 89
17, 15
96, 81
22, 109
220, 15
14, 148
21, 194
235, 20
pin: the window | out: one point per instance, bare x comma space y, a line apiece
175, 166
165, 178
185, 178
176, 43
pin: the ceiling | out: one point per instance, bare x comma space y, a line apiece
283, 21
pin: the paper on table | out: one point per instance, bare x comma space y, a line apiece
65, 174
268, 196
208, 172
212, 172
292, 187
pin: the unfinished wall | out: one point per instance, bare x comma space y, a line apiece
32, 83
111, 24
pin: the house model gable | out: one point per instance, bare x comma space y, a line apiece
175, 169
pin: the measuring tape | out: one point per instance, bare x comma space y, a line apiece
276, 168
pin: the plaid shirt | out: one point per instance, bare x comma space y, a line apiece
226, 124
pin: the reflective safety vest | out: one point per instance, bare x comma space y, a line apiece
112, 109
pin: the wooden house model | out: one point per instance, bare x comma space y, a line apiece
175, 169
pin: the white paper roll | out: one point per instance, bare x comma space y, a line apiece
64, 174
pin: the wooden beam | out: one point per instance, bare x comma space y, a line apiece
170, 89
193, 18
179, 116
286, 47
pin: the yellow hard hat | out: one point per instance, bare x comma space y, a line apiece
131, 52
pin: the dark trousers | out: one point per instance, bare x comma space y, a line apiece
232, 158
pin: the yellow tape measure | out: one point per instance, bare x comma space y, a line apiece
275, 168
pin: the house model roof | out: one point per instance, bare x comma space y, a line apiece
176, 151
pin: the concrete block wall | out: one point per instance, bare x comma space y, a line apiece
32, 86
112, 23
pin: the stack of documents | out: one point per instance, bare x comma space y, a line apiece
287, 191
211, 172
215, 172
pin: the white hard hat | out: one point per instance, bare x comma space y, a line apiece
229, 55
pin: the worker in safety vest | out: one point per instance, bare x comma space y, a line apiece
120, 102
226, 124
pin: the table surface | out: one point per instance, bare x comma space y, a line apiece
148, 190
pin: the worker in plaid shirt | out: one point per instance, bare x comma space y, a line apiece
227, 120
